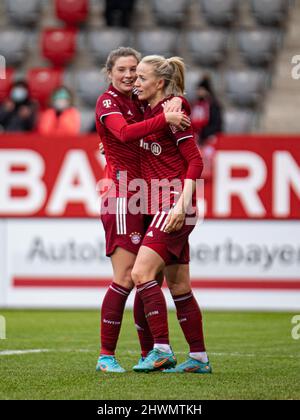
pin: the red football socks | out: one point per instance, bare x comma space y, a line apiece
143, 330
111, 317
190, 320
155, 309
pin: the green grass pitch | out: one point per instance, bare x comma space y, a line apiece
253, 356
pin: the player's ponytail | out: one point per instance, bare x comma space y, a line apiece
171, 70
177, 82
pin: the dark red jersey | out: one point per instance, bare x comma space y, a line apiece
119, 156
169, 154
120, 125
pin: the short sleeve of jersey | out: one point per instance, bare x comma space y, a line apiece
179, 135
107, 105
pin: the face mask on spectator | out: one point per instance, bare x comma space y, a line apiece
61, 100
61, 104
19, 94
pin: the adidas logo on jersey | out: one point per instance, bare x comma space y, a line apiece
150, 234
129, 113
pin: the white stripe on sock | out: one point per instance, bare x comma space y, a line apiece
118, 291
147, 286
182, 298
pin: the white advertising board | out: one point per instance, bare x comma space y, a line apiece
246, 249
2, 263
234, 264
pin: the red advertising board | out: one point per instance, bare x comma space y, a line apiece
245, 255
253, 177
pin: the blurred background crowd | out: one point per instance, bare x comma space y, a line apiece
237, 52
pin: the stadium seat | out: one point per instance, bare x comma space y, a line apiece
270, 12
101, 43
59, 45
169, 12
245, 87
87, 119
23, 12
5, 84
72, 12
238, 121
157, 41
42, 82
89, 85
219, 12
192, 78
13, 46
207, 47
258, 47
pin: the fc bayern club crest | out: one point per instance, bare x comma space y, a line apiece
135, 237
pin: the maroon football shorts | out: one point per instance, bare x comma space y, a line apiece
122, 228
172, 247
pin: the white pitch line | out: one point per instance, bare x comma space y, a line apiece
17, 352
256, 355
31, 351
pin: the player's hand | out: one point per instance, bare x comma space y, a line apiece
173, 105
101, 148
175, 220
178, 119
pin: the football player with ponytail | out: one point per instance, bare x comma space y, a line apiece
172, 155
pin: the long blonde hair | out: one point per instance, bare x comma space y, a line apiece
171, 70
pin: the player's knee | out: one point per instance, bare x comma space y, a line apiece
136, 276
139, 276
179, 288
124, 278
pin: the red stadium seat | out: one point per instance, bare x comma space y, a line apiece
42, 82
5, 84
72, 12
59, 45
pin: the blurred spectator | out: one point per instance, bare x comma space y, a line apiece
18, 112
119, 12
206, 113
61, 118
93, 128
206, 119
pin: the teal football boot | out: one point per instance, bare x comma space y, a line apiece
191, 366
109, 364
156, 360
